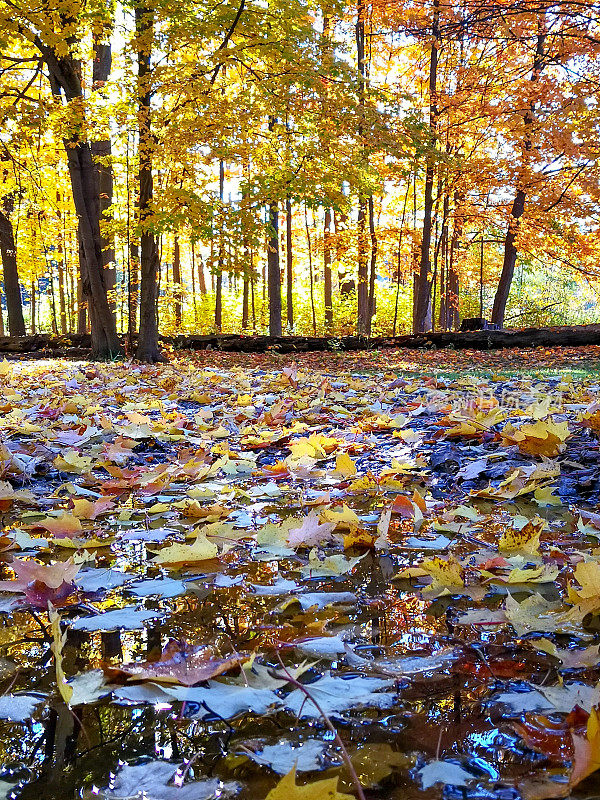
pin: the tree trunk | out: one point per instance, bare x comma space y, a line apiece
510, 259
105, 342
101, 152
193, 275
327, 288
245, 300
273, 269
12, 289
310, 272
453, 283
362, 292
399, 259
340, 219
273, 273
65, 77
422, 299
373, 268
221, 256
147, 349
177, 282
518, 206
289, 264
201, 279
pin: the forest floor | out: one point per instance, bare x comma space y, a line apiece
212, 566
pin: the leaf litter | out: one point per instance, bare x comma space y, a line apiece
209, 566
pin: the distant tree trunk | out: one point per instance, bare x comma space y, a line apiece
201, 279
221, 255
81, 304
193, 274
443, 318
8, 251
245, 300
373, 267
147, 348
273, 268
273, 273
453, 285
310, 272
345, 285
327, 287
101, 152
60, 266
422, 299
518, 206
362, 292
33, 309
289, 257
177, 282
399, 259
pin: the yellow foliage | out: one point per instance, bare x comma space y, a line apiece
344, 466
541, 438
287, 789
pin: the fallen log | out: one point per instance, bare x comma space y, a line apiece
77, 345
573, 336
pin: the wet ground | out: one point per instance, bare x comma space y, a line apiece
371, 533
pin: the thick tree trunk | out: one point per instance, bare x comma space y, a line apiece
327, 287
12, 289
422, 298
64, 77
101, 151
105, 342
147, 348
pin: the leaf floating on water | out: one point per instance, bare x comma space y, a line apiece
287, 789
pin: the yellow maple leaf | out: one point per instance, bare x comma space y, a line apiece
365, 485
345, 519
287, 789
344, 466
71, 461
447, 575
526, 541
62, 525
200, 550
590, 418
542, 438
587, 575
544, 497
359, 538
